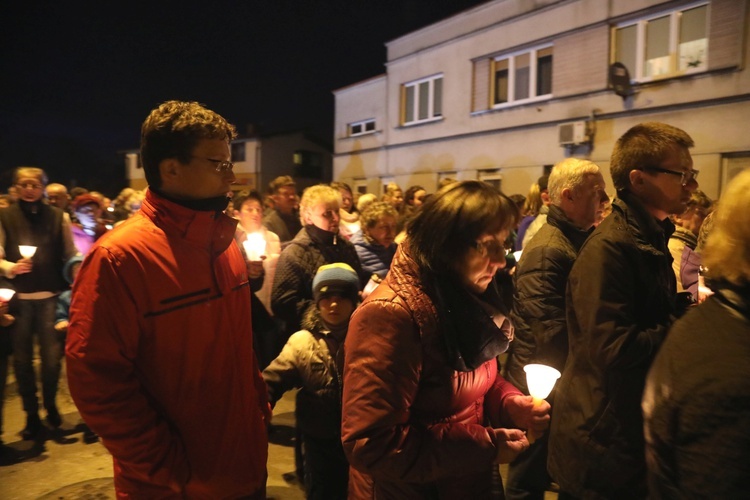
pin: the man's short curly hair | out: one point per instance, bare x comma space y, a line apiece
174, 129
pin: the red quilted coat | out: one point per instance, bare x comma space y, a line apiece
414, 425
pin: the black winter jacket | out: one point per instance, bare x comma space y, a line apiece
696, 404
541, 334
299, 261
620, 303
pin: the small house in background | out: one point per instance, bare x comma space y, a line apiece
258, 159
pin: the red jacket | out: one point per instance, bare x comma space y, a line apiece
160, 356
410, 421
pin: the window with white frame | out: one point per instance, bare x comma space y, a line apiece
422, 100
665, 44
492, 177
362, 127
523, 76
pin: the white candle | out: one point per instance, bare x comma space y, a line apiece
540, 380
6, 294
255, 246
27, 251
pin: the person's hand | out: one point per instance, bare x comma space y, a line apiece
7, 319
22, 266
255, 268
61, 325
3, 307
511, 443
526, 415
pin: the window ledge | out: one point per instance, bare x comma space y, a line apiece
421, 122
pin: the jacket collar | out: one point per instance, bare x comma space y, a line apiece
651, 234
557, 218
200, 228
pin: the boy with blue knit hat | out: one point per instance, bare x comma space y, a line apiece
313, 360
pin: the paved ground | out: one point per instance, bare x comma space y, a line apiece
64, 467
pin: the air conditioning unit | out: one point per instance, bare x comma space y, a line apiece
573, 133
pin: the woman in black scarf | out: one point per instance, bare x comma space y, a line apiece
425, 412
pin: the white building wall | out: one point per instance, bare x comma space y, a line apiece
518, 141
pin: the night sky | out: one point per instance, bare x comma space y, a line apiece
77, 79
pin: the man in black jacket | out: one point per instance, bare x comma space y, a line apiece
38, 280
620, 303
577, 198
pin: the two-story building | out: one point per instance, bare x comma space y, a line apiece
258, 159
504, 90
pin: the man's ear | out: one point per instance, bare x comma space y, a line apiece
169, 170
636, 179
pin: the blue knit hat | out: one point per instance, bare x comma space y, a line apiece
338, 278
68, 269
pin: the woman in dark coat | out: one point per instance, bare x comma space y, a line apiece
425, 412
696, 403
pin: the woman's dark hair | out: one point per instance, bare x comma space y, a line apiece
409, 195
241, 197
451, 221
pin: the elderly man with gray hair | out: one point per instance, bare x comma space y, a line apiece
577, 198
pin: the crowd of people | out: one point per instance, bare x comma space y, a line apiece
404, 321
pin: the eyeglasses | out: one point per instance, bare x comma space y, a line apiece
29, 185
221, 165
685, 175
492, 249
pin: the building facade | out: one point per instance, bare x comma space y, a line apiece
506, 89
260, 159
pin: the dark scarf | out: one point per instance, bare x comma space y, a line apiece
215, 204
475, 328
30, 209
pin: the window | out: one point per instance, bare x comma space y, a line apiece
238, 151
361, 128
665, 44
422, 100
492, 177
524, 76
308, 164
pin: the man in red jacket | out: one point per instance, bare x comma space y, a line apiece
160, 349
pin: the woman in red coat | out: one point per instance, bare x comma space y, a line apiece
425, 412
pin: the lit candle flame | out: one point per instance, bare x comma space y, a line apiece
255, 246
6, 294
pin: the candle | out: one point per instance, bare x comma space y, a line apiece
6, 294
27, 251
540, 380
255, 246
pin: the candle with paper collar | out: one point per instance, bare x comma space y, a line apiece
27, 251
255, 246
540, 379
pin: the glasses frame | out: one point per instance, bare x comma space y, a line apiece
30, 185
483, 248
685, 175
221, 165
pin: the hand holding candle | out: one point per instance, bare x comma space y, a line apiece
540, 380
255, 246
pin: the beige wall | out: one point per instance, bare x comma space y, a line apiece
712, 106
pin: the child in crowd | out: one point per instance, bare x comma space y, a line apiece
313, 360
70, 271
